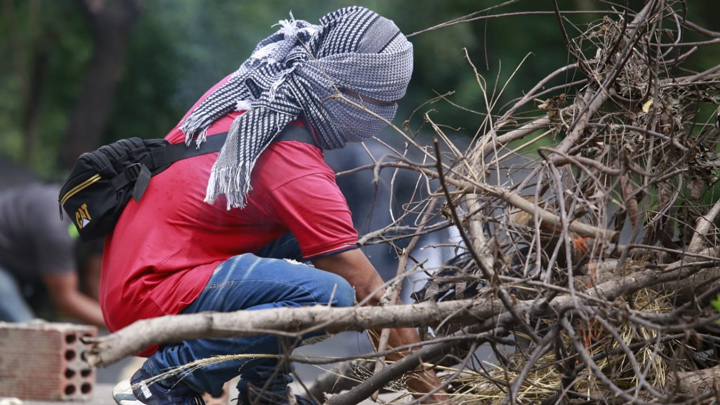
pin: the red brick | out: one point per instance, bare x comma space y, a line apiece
43, 361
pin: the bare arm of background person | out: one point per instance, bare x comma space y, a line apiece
64, 290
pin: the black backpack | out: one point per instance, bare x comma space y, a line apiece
102, 182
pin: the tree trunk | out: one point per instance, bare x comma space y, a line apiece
32, 109
110, 23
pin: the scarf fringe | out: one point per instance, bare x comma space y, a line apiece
233, 182
190, 128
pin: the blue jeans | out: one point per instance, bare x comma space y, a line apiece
13, 307
250, 282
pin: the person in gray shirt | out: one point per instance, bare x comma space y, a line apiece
36, 247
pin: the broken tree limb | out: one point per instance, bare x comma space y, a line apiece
703, 226
132, 339
342, 377
281, 321
687, 288
404, 365
518, 201
691, 384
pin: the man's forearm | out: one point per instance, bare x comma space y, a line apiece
357, 270
421, 381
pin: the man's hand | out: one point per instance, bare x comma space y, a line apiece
355, 267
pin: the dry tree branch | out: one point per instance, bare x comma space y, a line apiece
109, 349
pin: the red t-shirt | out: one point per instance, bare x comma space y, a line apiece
164, 249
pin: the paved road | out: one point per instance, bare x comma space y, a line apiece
103, 396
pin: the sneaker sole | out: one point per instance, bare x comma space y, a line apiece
123, 395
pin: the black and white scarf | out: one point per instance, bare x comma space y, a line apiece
295, 72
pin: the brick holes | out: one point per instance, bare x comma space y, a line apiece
63, 378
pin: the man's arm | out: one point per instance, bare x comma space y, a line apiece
354, 267
66, 296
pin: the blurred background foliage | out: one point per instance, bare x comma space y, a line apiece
80, 73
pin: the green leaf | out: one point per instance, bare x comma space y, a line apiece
716, 303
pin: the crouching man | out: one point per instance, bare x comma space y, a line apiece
211, 232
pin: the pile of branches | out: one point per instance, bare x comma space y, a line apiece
586, 257
589, 210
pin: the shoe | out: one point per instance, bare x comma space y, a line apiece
123, 395
304, 401
255, 396
153, 393
290, 400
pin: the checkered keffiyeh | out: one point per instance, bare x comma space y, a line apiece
295, 72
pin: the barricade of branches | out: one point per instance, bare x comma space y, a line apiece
609, 176
586, 253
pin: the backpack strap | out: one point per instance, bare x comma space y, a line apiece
161, 157
296, 133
